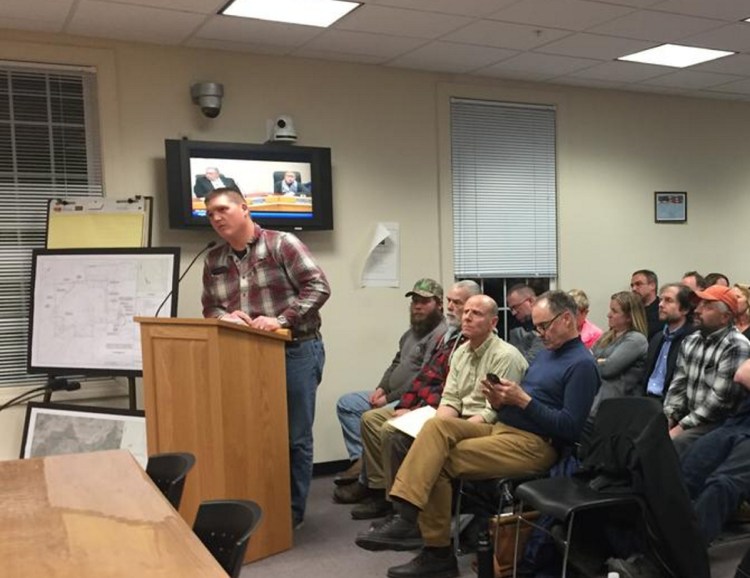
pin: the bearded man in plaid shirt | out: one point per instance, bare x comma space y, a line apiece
268, 280
703, 392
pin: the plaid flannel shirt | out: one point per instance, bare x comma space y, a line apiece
277, 276
703, 390
427, 387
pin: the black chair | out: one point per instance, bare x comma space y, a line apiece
225, 527
631, 468
168, 472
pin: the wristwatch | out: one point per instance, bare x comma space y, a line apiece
283, 322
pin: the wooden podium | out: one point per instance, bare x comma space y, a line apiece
218, 390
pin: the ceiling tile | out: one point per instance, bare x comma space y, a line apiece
464, 7
633, 3
451, 57
140, 23
617, 71
257, 31
398, 22
31, 24
729, 10
588, 82
34, 10
238, 46
546, 65
735, 37
737, 87
505, 35
595, 46
567, 14
361, 43
656, 26
691, 79
339, 56
735, 64
198, 6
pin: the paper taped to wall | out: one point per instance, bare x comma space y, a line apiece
382, 266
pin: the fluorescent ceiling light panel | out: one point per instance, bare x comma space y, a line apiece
308, 12
675, 55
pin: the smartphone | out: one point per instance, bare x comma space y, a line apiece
492, 378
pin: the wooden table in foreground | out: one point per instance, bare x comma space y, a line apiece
93, 515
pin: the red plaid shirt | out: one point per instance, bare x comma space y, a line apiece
427, 387
277, 276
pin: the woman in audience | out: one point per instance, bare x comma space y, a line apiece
590, 333
621, 351
742, 319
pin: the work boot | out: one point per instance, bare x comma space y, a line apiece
372, 507
351, 494
429, 563
395, 534
349, 475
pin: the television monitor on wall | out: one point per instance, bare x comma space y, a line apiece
286, 187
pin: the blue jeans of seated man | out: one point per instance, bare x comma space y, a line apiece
304, 371
350, 407
717, 474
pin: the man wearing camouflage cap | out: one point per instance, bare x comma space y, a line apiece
416, 346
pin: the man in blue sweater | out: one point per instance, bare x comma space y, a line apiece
535, 419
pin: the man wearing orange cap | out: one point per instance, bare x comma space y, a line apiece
703, 392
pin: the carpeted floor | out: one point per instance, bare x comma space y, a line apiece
324, 547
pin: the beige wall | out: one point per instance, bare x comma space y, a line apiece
388, 131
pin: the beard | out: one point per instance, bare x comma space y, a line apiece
423, 326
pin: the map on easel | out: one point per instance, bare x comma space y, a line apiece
88, 223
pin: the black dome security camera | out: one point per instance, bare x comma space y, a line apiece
208, 96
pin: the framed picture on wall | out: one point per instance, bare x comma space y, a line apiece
670, 207
53, 429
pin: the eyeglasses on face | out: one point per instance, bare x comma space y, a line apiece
542, 327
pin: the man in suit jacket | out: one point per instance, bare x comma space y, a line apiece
290, 186
213, 179
676, 313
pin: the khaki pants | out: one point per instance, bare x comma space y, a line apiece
385, 448
452, 448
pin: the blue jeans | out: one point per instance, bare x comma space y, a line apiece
717, 474
350, 407
304, 371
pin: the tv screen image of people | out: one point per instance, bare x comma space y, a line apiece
271, 188
285, 187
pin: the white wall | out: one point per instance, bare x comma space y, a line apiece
388, 131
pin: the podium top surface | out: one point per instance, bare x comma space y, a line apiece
281, 334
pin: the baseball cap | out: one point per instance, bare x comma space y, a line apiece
427, 288
720, 293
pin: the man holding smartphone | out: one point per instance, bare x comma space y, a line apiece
547, 410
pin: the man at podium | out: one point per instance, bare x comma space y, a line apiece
268, 280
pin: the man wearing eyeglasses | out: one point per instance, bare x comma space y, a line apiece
546, 412
520, 301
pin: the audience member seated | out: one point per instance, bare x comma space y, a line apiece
717, 467
212, 179
547, 411
589, 332
644, 283
290, 186
385, 446
717, 279
703, 392
621, 351
742, 319
415, 348
520, 301
694, 280
676, 312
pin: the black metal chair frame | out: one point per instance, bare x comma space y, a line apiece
504, 489
579, 497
